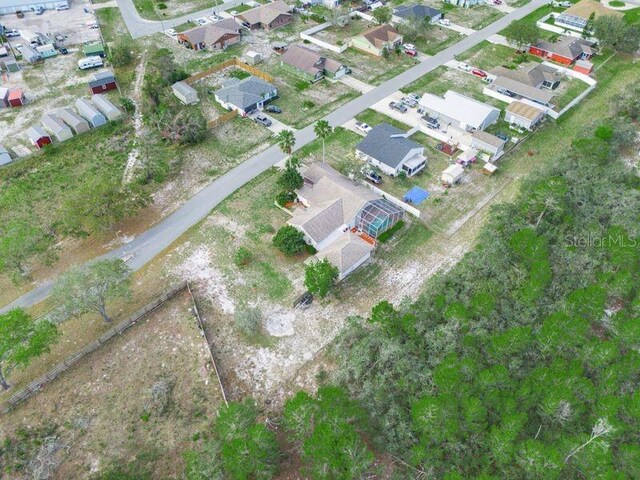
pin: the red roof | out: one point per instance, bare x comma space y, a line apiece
15, 94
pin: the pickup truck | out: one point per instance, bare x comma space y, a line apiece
398, 106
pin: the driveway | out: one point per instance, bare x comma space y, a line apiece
356, 84
150, 243
459, 28
276, 125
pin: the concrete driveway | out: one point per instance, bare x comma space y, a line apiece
276, 125
459, 29
160, 236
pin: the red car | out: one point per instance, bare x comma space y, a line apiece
479, 73
411, 53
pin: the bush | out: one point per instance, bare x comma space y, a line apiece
301, 85
386, 235
239, 74
308, 104
285, 197
319, 277
248, 320
127, 104
289, 240
242, 257
120, 54
311, 249
162, 6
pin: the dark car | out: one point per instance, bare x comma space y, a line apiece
431, 122
373, 177
399, 106
502, 136
63, 50
272, 109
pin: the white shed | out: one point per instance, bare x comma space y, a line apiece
75, 121
56, 127
452, 174
105, 107
89, 113
4, 156
185, 93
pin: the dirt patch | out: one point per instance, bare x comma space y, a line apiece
146, 391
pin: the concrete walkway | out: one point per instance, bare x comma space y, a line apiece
459, 29
153, 241
359, 85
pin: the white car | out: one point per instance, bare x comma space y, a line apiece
171, 32
363, 127
409, 46
202, 21
465, 67
444, 21
62, 7
214, 18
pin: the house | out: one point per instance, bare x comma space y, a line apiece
47, 51
390, 149
311, 64
577, 15
377, 39
459, 110
341, 218
16, 97
10, 65
92, 49
532, 81
464, 3
30, 54
105, 107
452, 174
38, 137
4, 97
103, 82
252, 57
214, 36
583, 66
4, 156
57, 127
487, 143
423, 13
267, 17
246, 95
30, 5
89, 113
566, 50
523, 115
73, 120
185, 93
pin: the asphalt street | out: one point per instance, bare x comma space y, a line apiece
147, 245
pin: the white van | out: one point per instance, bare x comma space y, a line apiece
90, 62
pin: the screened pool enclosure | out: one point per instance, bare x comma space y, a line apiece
377, 216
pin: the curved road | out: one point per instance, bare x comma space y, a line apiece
148, 244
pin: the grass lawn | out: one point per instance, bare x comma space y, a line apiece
436, 39
373, 70
155, 9
569, 89
487, 56
111, 24
632, 16
338, 35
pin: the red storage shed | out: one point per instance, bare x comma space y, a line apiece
103, 82
16, 97
38, 136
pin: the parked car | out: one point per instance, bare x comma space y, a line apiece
272, 109
431, 122
214, 18
411, 53
39, 11
409, 46
506, 92
409, 102
497, 2
373, 177
62, 7
363, 127
63, 50
20, 14
465, 67
502, 136
11, 33
564, 4
171, 32
444, 21
414, 96
263, 120
398, 106
202, 21
479, 73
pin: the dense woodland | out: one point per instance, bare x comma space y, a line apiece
522, 362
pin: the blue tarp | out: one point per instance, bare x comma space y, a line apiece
416, 196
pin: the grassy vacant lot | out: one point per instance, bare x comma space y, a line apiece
487, 56
436, 39
476, 17
374, 70
102, 413
157, 9
339, 35
303, 102
536, 15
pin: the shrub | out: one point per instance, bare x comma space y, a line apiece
162, 6
120, 54
301, 85
386, 235
289, 240
311, 249
242, 257
285, 197
248, 320
308, 104
127, 104
239, 74
319, 277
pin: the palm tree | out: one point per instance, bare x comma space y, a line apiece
286, 141
322, 129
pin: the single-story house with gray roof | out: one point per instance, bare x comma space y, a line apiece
246, 95
391, 150
311, 65
422, 13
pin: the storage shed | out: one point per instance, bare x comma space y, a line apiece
467, 157
4, 156
92, 49
489, 169
103, 82
16, 97
89, 113
57, 127
4, 97
30, 54
38, 137
46, 51
452, 174
73, 120
583, 66
105, 107
523, 115
185, 93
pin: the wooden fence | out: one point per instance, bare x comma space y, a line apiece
224, 118
33, 387
233, 62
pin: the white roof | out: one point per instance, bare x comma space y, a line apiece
468, 155
459, 107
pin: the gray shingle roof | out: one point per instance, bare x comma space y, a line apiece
569, 47
417, 11
246, 92
384, 144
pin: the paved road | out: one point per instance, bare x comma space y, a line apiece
140, 27
150, 243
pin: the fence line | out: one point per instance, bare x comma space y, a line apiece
206, 339
224, 118
35, 386
232, 62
